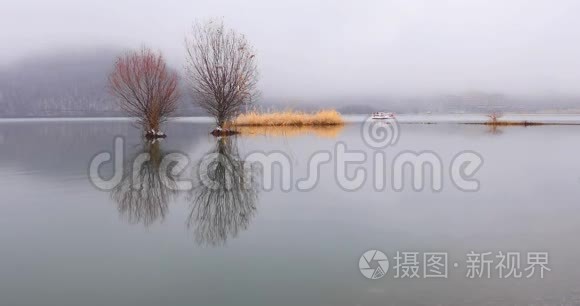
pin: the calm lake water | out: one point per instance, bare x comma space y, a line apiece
65, 242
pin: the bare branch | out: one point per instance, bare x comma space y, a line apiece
221, 70
145, 88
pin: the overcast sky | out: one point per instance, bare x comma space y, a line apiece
310, 48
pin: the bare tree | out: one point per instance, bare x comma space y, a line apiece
494, 116
221, 69
145, 88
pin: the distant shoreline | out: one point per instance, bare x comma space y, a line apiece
471, 118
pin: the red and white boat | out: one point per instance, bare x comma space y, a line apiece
383, 115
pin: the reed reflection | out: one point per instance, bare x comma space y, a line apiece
330, 131
494, 130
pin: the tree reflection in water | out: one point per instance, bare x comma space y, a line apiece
225, 207
142, 196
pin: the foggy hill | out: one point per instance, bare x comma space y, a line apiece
74, 84
71, 84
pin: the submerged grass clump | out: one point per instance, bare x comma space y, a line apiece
494, 120
289, 118
508, 123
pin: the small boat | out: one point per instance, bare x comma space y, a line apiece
383, 115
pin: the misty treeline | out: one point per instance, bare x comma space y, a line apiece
219, 80
57, 85
67, 84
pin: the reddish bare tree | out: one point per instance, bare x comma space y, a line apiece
221, 70
146, 89
494, 116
